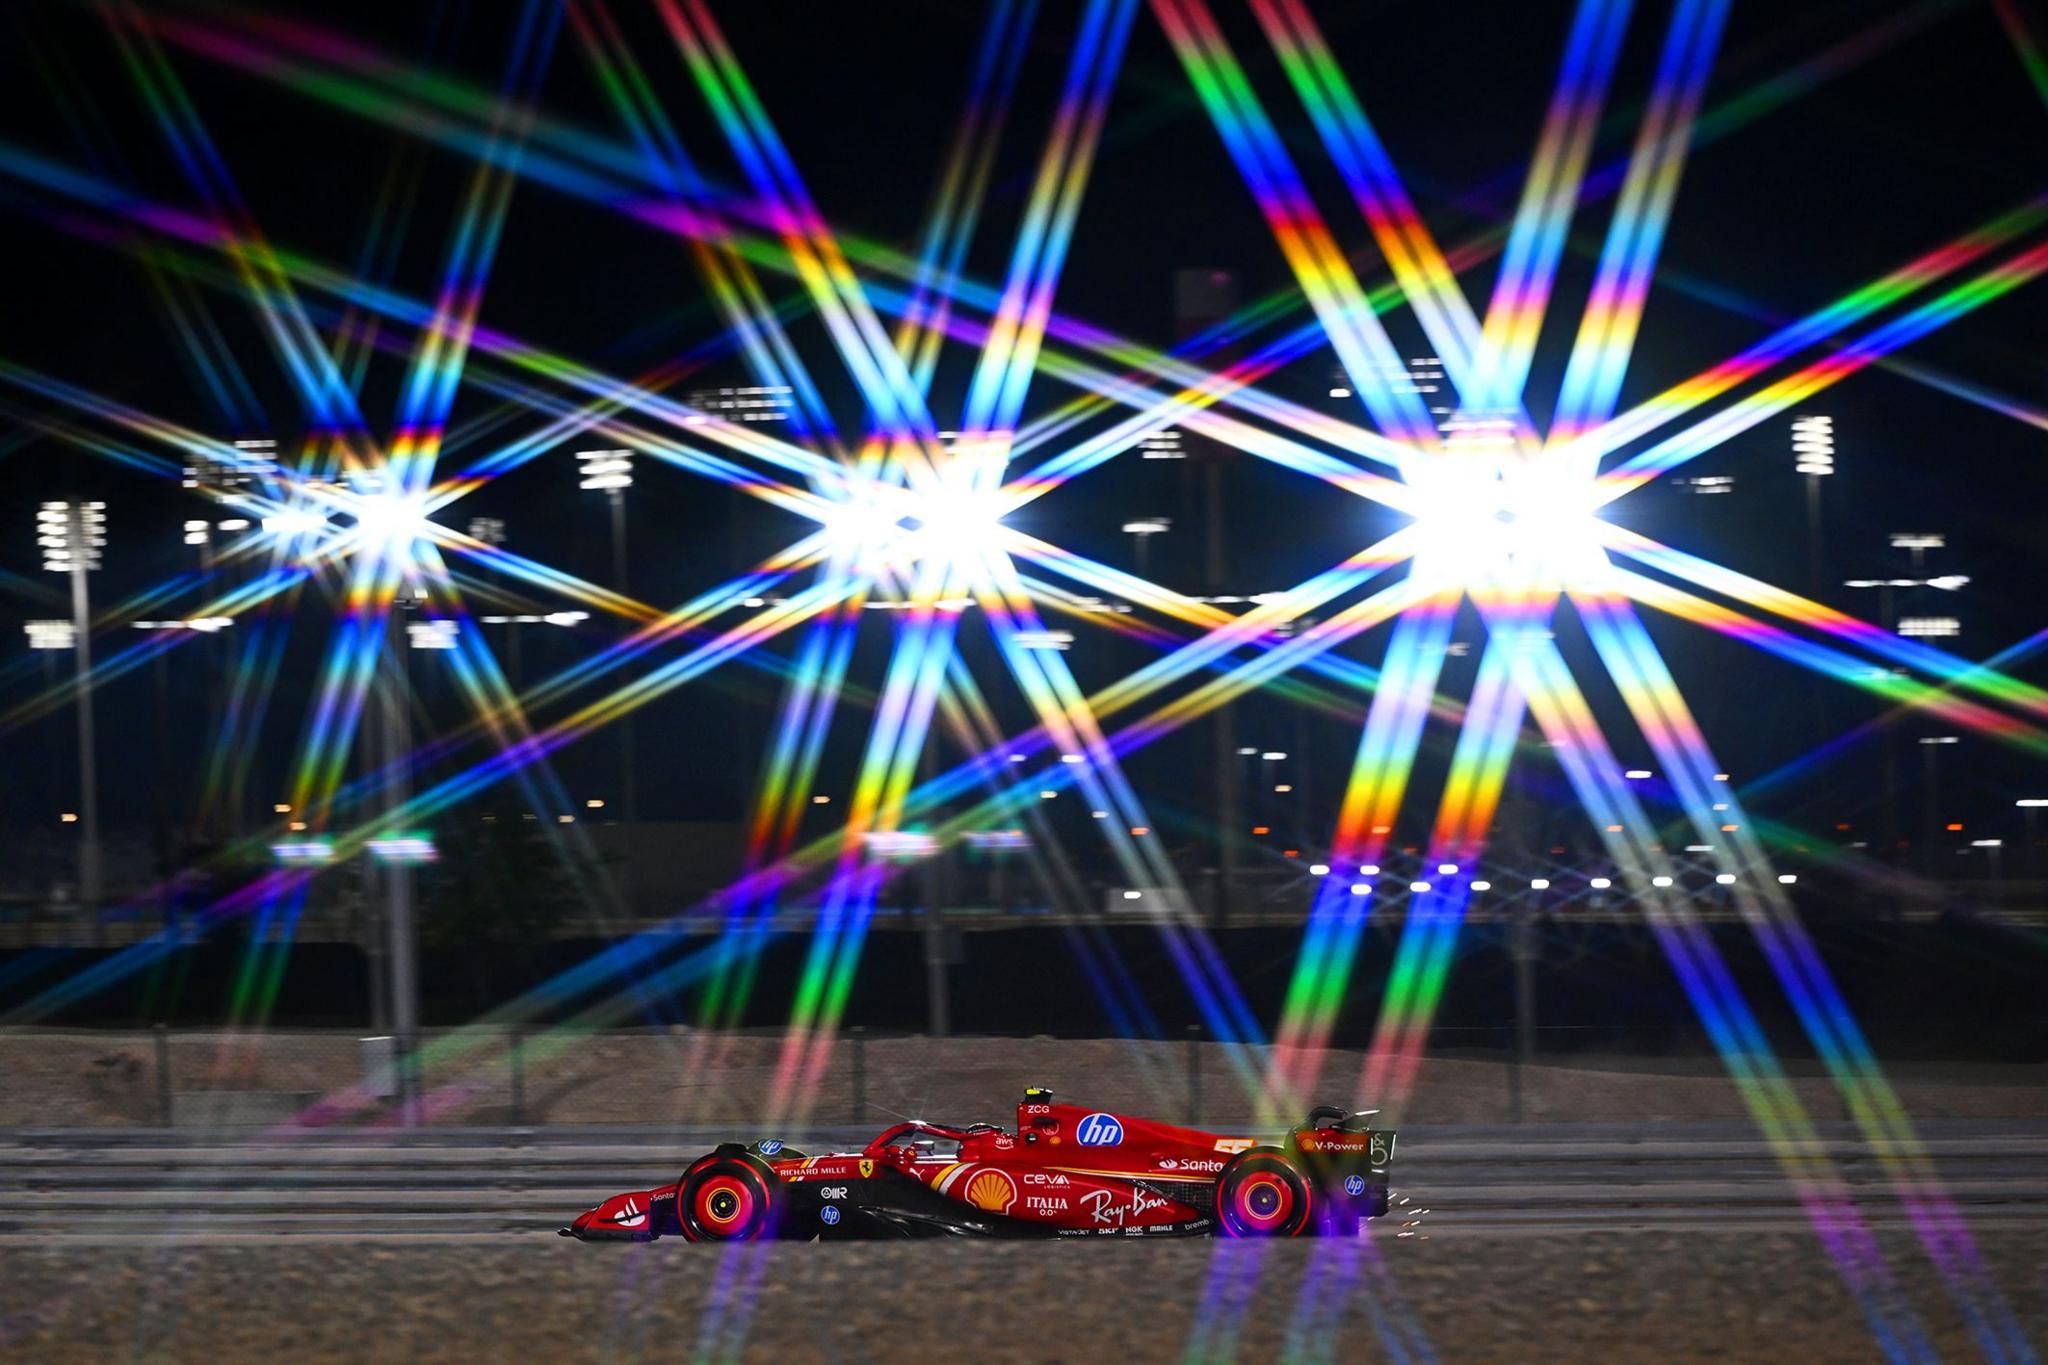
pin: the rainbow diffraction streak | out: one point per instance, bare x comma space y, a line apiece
977, 399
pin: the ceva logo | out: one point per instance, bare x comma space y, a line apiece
1099, 1130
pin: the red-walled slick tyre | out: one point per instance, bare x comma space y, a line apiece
727, 1199
1260, 1194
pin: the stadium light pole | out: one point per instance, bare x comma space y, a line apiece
49, 638
1141, 532
1813, 455
2032, 806
1930, 750
1889, 778
611, 472
395, 734
71, 536
1918, 543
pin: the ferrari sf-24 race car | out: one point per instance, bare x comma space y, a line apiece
1067, 1171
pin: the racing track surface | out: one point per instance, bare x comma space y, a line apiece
466, 1184
1655, 1242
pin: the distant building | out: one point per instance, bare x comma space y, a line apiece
1423, 374
752, 403
224, 473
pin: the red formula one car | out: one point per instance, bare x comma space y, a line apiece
1067, 1171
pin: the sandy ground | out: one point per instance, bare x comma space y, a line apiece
1604, 1296
83, 1079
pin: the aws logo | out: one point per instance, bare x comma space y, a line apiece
992, 1191
1099, 1130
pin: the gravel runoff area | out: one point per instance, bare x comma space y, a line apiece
1604, 1296
78, 1078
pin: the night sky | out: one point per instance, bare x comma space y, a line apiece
1929, 127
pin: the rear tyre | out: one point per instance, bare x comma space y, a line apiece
1261, 1194
728, 1199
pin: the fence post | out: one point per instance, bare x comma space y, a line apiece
517, 1057
859, 1067
1194, 1074
163, 1074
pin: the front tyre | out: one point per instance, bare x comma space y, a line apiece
727, 1199
1261, 1194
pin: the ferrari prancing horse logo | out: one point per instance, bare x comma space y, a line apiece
867, 1169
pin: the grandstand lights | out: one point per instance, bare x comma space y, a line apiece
71, 535
1319, 869
1600, 883
1163, 444
1361, 888
1418, 887
1918, 540
403, 848
1482, 886
1929, 627
604, 470
1539, 884
1447, 869
1636, 774
51, 635
1813, 446
1660, 881
438, 633
1787, 878
1373, 869
1724, 878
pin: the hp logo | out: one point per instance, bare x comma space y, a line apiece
829, 1215
770, 1147
1099, 1130
1354, 1185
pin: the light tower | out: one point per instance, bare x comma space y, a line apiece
1141, 532
611, 472
71, 536
1813, 455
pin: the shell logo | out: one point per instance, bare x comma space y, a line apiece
993, 1191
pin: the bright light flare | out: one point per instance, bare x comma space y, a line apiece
1487, 520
